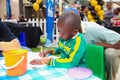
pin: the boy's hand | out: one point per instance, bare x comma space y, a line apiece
40, 61
43, 53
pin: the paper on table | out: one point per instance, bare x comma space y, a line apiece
30, 57
35, 55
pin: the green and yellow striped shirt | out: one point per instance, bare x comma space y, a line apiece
73, 53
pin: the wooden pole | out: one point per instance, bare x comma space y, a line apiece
60, 7
38, 16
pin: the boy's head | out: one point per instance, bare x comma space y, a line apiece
109, 5
116, 11
69, 24
84, 8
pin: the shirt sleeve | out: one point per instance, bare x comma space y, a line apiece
5, 32
111, 37
101, 34
56, 51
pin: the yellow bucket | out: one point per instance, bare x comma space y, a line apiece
15, 61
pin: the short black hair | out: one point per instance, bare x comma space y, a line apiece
73, 19
118, 8
56, 12
109, 2
83, 7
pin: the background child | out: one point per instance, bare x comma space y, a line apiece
116, 19
71, 45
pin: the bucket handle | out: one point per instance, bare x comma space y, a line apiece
15, 64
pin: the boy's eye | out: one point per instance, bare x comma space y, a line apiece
63, 33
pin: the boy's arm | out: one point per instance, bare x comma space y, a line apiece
44, 60
40, 61
56, 50
53, 51
74, 58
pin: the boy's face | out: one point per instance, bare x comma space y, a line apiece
65, 31
86, 9
109, 5
116, 12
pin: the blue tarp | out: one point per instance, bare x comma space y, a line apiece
8, 8
49, 20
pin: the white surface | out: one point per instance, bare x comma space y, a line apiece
35, 55
30, 57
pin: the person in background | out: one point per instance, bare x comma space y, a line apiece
83, 14
110, 40
72, 45
7, 39
108, 14
12, 17
0, 19
5, 17
56, 16
116, 19
21, 19
79, 9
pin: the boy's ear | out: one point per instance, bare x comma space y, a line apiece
75, 31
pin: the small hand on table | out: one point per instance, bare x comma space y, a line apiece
44, 59
40, 61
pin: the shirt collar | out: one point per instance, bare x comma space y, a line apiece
83, 26
75, 36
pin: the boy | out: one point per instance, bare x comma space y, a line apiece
116, 19
71, 45
108, 14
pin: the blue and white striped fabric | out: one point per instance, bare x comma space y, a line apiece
45, 73
39, 73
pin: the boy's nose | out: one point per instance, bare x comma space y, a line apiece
60, 35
